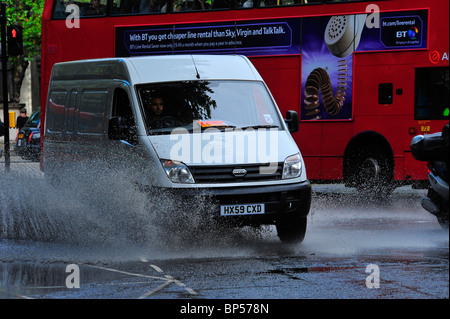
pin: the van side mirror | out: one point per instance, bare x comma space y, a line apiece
292, 121
115, 128
118, 129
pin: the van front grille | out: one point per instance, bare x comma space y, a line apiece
236, 173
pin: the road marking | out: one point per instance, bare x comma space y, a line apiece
167, 278
157, 268
179, 283
151, 292
128, 273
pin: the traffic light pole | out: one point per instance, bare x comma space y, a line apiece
5, 85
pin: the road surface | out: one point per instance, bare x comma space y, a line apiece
53, 245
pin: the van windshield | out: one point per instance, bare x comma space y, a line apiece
196, 105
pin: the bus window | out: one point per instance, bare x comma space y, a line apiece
431, 94
139, 6
59, 9
85, 8
220, 4
246, 4
269, 3
92, 8
196, 5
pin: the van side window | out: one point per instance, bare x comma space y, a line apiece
56, 110
122, 106
123, 114
93, 112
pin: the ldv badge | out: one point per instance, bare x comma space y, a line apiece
239, 172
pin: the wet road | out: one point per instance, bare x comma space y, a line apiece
354, 249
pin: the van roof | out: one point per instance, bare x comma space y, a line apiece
163, 68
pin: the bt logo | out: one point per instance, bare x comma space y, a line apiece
412, 33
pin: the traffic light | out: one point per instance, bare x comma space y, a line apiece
15, 40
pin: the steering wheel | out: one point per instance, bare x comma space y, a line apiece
169, 121
164, 122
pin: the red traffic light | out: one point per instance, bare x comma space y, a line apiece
15, 42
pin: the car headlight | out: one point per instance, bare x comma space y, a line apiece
177, 172
292, 166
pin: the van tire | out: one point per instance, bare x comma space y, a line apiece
291, 231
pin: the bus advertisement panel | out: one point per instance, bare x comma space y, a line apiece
267, 37
328, 44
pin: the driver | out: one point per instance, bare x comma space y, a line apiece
157, 106
157, 115
156, 109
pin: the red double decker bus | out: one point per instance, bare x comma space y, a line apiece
364, 76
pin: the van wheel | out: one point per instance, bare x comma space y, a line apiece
292, 231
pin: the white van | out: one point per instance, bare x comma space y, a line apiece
191, 125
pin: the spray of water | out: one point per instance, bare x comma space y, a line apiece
103, 207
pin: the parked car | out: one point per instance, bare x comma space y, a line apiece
33, 146
33, 124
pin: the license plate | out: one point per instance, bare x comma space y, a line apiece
240, 210
21, 135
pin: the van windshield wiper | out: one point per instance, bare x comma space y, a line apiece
219, 127
260, 126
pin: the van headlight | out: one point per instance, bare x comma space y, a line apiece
177, 172
292, 166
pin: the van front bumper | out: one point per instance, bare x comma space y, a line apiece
281, 202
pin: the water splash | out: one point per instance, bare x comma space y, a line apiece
102, 207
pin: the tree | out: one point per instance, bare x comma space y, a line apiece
28, 14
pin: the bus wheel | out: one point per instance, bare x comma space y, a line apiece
373, 173
292, 231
